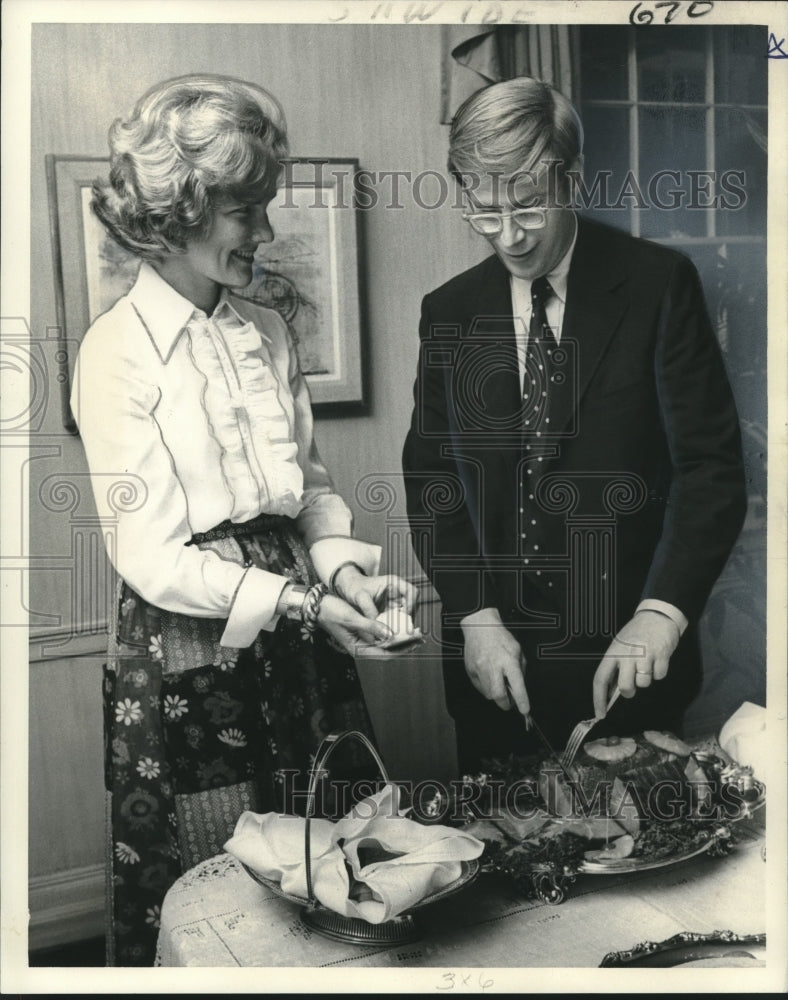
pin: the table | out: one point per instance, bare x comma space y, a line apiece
217, 915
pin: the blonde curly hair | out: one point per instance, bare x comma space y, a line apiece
186, 141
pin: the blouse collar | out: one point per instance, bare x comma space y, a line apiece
165, 313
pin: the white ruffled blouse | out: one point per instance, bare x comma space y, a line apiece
205, 419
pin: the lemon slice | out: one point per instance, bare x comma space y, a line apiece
667, 742
618, 849
611, 749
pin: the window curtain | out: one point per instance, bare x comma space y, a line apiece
476, 55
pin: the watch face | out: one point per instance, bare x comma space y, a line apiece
293, 600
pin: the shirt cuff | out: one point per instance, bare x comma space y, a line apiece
484, 616
328, 553
254, 608
664, 608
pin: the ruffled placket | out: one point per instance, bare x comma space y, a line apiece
242, 403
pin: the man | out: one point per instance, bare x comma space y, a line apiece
573, 468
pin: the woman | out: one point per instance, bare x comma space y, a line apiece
242, 591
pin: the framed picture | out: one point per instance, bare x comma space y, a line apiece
309, 274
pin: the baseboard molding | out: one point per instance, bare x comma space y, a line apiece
66, 907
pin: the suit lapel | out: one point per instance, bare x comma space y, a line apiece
594, 309
486, 387
485, 394
491, 380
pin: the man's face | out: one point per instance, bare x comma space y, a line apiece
526, 253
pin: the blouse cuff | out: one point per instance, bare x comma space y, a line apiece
329, 553
254, 608
667, 609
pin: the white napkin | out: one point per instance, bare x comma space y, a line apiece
373, 864
404, 632
743, 737
273, 845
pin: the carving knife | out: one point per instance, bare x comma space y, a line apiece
530, 723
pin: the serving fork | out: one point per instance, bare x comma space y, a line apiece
581, 730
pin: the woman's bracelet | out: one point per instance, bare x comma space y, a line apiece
311, 606
333, 579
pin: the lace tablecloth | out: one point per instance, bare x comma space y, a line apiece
217, 915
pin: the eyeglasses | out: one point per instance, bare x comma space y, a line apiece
491, 223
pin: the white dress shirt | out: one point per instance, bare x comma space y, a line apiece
210, 419
554, 306
554, 309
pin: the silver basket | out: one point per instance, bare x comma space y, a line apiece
329, 923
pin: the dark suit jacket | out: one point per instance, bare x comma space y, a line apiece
643, 456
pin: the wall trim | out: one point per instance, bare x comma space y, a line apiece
66, 907
50, 645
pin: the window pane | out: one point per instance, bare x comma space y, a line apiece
603, 62
740, 138
606, 163
740, 68
673, 139
671, 64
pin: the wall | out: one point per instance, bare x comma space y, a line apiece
349, 91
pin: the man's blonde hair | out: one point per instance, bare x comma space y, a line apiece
517, 125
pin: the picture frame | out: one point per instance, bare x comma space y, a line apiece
310, 273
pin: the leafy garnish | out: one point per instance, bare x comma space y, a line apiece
660, 839
563, 853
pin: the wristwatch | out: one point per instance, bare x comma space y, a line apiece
291, 601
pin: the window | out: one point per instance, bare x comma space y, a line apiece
662, 102
691, 101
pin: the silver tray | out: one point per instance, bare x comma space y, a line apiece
723, 948
550, 884
716, 843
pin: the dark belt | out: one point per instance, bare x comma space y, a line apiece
233, 529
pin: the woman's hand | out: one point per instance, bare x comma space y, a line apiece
354, 633
372, 594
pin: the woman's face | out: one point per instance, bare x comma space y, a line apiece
223, 256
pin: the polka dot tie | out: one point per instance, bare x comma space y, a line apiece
536, 419
538, 367
541, 292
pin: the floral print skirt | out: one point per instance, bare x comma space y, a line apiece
196, 733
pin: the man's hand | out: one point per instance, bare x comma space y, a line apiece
640, 653
492, 653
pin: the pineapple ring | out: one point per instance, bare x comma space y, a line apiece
611, 749
667, 742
